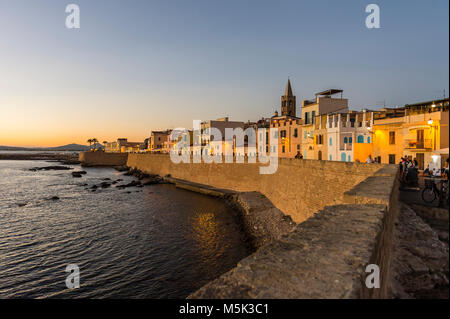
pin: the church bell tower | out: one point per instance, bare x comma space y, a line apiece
288, 103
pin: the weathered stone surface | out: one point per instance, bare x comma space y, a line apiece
293, 188
103, 159
324, 257
262, 220
420, 267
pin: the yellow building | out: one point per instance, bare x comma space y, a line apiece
415, 131
123, 146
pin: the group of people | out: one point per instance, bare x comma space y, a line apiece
409, 170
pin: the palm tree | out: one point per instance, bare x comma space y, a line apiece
94, 141
104, 145
90, 143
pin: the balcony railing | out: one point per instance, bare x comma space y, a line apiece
419, 144
346, 147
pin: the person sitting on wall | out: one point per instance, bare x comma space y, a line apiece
299, 155
369, 160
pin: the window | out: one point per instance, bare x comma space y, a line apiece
331, 142
276, 134
331, 157
350, 140
306, 117
343, 157
267, 138
349, 158
319, 139
360, 139
391, 138
284, 149
345, 140
295, 132
283, 133
391, 157
267, 149
304, 133
313, 116
298, 146
368, 139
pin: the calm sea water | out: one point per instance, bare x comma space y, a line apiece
151, 242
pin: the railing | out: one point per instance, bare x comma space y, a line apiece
346, 147
418, 144
309, 102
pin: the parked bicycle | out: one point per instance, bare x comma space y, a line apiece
431, 192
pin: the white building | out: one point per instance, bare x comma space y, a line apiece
349, 137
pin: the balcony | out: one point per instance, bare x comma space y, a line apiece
419, 144
346, 147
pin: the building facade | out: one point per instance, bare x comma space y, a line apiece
415, 131
348, 136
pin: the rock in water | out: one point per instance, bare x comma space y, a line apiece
50, 168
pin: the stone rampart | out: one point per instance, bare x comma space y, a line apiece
346, 214
299, 188
103, 159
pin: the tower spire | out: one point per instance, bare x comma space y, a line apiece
288, 103
288, 89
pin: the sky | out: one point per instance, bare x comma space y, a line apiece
137, 66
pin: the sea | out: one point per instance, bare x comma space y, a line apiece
156, 241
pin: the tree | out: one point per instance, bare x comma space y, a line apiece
90, 143
95, 141
104, 144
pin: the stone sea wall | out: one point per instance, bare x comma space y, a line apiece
299, 188
345, 212
103, 159
325, 256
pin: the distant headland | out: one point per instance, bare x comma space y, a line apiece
68, 147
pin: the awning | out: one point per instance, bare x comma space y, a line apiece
420, 127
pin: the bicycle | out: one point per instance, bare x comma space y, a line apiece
431, 192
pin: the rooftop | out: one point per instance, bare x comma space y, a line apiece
330, 92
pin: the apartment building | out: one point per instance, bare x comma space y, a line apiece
415, 131
349, 137
325, 102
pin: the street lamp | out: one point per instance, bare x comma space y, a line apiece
430, 122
